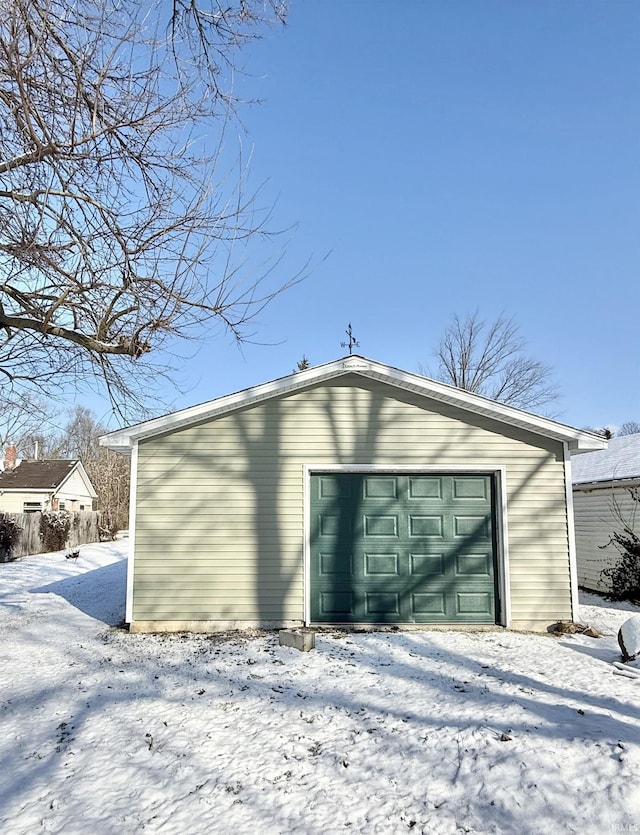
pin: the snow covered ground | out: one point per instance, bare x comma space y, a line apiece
106, 732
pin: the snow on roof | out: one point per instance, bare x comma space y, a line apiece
621, 460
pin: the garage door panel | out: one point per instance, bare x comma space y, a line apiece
474, 603
396, 548
336, 604
431, 565
335, 564
332, 487
472, 527
381, 564
384, 605
471, 488
425, 487
426, 525
380, 525
428, 604
329, 524
473, 565
385, 487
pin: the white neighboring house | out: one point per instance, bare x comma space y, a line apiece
28, 486
601, 503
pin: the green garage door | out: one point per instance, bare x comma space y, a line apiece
402, 548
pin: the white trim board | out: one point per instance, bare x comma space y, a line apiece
132, 534
579, 440
571, 533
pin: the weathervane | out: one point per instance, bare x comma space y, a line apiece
352, 343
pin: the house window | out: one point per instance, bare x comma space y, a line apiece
62, 506
32, 507
81, 507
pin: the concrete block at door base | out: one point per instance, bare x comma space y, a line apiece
296, 638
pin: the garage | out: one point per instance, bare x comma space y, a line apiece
350, 492
403, 548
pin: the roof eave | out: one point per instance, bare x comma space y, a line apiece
121, 440
591, 444
578, 440
50, 490
627, 482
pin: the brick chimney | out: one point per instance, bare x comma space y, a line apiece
10, 458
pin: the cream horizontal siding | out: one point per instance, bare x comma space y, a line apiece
75, 490
14, 502
219, 513
598, 513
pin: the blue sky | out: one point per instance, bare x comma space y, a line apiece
438, 157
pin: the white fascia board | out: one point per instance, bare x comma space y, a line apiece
133, 493
606, 483
122, 439
122, 446
45, 491
588, 444
573, 556
578, 439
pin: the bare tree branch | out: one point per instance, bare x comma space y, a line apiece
489, 359
629, 427
116, 237
19, 422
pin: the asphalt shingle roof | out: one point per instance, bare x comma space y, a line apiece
37, 475
621, 460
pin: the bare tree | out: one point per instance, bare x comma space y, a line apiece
110, 476
79, 437
109, 472
22, 424
116, 238
489, 358
629, 427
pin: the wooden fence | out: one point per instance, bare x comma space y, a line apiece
84, 529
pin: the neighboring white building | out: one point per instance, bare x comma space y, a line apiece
52, 484
601, 502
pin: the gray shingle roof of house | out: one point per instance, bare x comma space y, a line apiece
37, 475
620, 461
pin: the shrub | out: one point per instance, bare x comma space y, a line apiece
623, 578
10, 532
108, 533
54, 529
